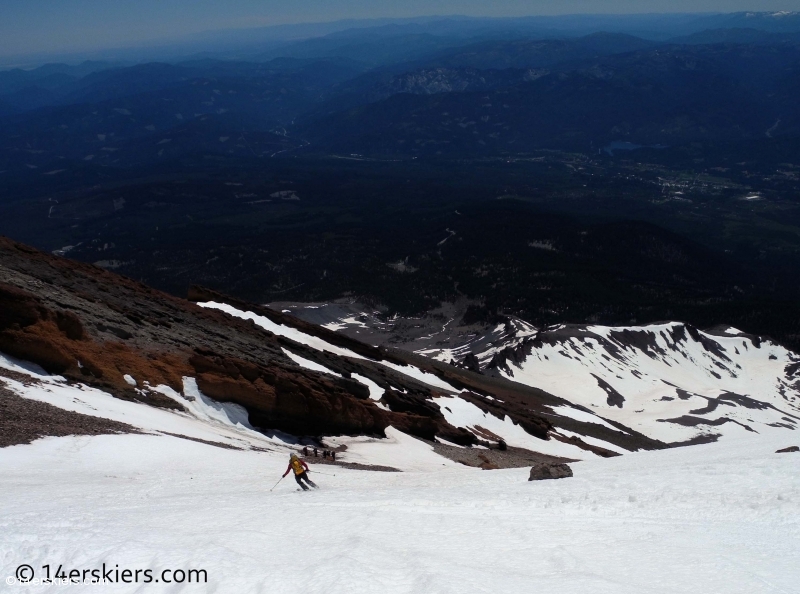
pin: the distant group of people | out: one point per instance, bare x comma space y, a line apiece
326, 454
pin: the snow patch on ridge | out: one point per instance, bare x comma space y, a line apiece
281, 330
582, 416
307, 364
205, 408
397, 450
343, 323
322, 345
421, 376
375, 391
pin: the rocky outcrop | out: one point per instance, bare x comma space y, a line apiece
541, 472
95, 327
788, 450
278, 396
35, 330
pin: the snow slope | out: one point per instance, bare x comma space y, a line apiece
667, 381
460, 413
720, 518
715, 518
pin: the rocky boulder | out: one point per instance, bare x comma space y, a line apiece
550, 470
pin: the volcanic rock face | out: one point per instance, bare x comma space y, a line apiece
95, 327
542, 472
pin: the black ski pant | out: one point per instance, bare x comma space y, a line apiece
304, 477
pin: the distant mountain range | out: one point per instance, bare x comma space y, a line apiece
380, 41
492, 97
565, 169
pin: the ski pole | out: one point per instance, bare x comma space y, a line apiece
276, 484
324, 473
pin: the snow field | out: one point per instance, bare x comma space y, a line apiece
397, 450
720, 518
650, 384
656, 386
485, 346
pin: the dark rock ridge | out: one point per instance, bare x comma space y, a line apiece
542, 472
676, 359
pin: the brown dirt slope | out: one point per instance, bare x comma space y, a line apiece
23, 420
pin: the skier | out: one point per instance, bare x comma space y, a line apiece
300, 468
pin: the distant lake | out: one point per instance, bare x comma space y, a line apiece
629, 146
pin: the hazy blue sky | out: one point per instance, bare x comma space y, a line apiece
28, 26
